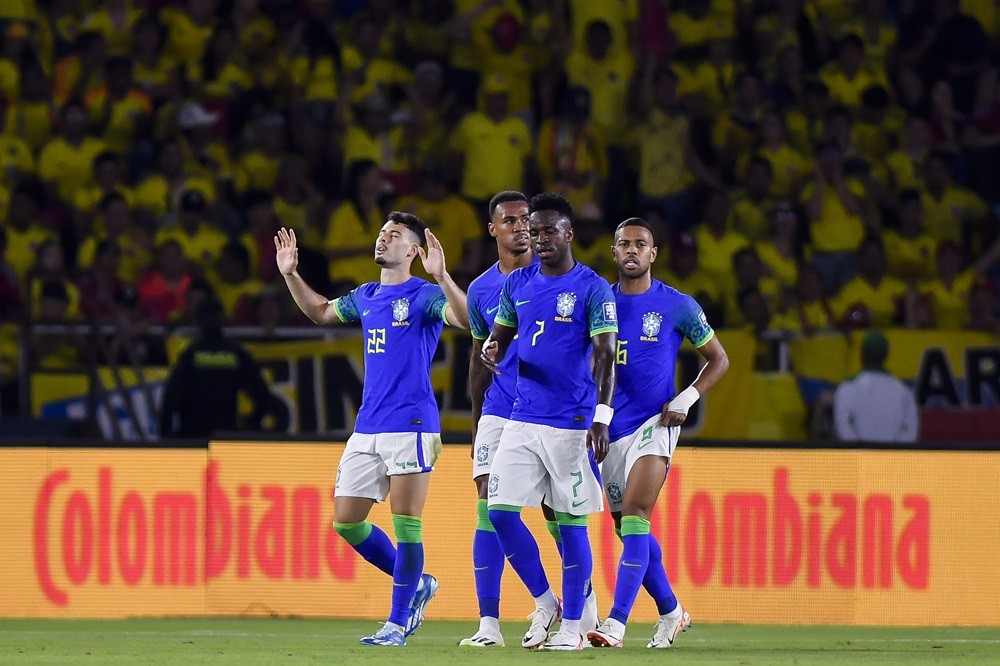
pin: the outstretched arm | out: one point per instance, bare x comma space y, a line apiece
433, 259
318, 308
604, 376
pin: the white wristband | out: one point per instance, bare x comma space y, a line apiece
604, 414
682, 401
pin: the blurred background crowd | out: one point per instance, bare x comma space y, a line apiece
809, 165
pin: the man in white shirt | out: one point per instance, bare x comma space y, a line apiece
874, 406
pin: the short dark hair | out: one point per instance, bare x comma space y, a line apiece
637, 222
238, 252
747, 293
411, 222
109, 199
909, 195
106, 156
505, 197
551, 201
746, 251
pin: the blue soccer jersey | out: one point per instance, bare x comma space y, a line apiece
555, 317
652, 326
484, 302
401, 324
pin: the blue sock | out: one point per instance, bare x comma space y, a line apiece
631, 567
520, 548
370, 542
553, 528
487, 562
409, 565
656, 582
578, 564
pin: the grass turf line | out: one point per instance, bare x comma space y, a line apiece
300, 641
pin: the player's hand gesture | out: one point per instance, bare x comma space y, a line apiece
671, 418
599, 441
287, 254
433, 257
488, 356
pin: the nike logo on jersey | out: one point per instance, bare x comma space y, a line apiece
365, 313
492, 310
519, 303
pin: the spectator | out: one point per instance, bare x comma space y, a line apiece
752, 204
161, 192
949, 292
162, 291
812, 313
951, 212
66, 162
50, 269
984, 314
54, 350
31, 116
116, 226
782, 252
788, 166
232, 282
119, 111
493, 146
350, 234
683, 273
748, 272
910, 251
213, 371
25, 232
872, 298
199, 241
717, 242
874, 406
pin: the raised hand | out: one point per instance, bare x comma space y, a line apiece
433, 257
287, 255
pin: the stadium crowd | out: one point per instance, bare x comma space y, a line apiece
809, 165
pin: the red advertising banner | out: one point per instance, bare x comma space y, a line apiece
749, 535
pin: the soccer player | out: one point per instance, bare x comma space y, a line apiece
564, 317
397, 432
492, 403
654, 319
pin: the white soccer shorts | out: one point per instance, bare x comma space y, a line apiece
535, 461
650, 439
369, 461
487, 441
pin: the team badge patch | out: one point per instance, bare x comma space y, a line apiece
482, 453
565, 304
401, 309
614, 493
494, 484
651, 324
610, 312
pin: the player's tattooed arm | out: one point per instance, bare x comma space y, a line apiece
318, 308
433, 259
604, 345
496, 346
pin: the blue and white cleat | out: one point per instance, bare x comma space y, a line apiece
425, 592
387, 636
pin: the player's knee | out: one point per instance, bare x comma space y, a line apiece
636, 509
353, 533
504, 518
408, 529
482, 485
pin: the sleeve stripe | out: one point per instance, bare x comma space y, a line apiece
711, 334
603, 329
505, 322
336, 308
476, 337
444, 313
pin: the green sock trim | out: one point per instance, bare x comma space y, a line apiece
408, 529
634, 525
505, 507
483, 516
570, 519
353, 533
618, 532
553, 527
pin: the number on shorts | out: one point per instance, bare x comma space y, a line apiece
579, 481
541, 329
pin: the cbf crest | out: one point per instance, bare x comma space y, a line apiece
614, 493
565, 304
400, 311
651, 326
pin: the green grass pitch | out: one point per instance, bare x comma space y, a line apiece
299, 641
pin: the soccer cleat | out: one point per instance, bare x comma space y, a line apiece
563, 641
605, 636
483, 639
387, 636
668, 630
542, 620
425, 592
590, 619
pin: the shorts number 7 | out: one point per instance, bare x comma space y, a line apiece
541, 329
579, 481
